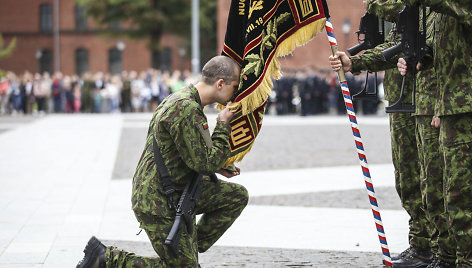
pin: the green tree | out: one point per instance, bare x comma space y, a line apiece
149, 19
4, 52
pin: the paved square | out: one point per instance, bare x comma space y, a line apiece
64, 178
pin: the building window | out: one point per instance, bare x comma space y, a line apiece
114, 26
114, 60
162, 59
45, 61
81, 61
45, 16
80, 18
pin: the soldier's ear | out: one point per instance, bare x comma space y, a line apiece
220, 83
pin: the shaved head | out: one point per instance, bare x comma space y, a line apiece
220, 67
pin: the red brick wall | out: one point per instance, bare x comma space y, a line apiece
316, 52
21, 19
23, 56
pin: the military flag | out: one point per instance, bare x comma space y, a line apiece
259, 31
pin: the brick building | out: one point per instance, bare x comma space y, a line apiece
316, 52
74, 44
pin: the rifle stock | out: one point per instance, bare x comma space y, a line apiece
184, 213
358, 48
173, 239
413, 46
374, 33
392, 51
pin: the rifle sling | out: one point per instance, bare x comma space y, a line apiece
163, 174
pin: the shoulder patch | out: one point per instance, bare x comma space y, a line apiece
205, 125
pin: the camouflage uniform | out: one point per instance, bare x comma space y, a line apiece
452, 61
402, 130
183, 138
427, 138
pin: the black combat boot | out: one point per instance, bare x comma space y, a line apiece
439, 264
414, 259
433, 263
94, 254
403, 254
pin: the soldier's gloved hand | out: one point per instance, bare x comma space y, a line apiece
226, 114
229, 173
339, 60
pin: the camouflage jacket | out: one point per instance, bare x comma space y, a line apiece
183, 137
385, 9
452, 54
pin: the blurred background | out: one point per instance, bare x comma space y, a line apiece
107, 56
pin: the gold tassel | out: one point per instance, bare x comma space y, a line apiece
262, 92
260, 95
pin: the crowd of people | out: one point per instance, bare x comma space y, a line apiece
304, 92
310, 92
89, 93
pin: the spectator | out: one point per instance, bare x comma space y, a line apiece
125, 93
40, 93
57, 92
4, 94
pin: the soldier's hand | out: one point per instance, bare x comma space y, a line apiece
228, 173
435, 122
226, 114
340, 60
401, 65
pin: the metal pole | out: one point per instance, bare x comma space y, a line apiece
57, 48
360, 149
195, 38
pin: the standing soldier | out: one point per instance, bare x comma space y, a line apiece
181, 132
427, 139
452, 47
402, 129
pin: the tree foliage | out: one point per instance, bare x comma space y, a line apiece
7, 50
151, 18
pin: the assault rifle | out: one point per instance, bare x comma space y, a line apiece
184, 213
374, 34
413, 46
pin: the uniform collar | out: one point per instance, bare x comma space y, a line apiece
195, 95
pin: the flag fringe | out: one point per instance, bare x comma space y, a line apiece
254, 100
301, 37
238, 157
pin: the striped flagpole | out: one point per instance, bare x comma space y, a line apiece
360, 148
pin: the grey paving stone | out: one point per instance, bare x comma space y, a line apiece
281, 147
386, 196
219, 256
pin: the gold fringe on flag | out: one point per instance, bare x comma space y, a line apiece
259, 96
300, 38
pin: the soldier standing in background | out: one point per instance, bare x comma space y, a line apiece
183, 138
402, 128
452, 49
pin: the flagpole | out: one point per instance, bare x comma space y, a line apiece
360, 148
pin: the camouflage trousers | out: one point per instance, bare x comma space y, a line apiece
432, 188
220, 204
456, 143
407, 178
